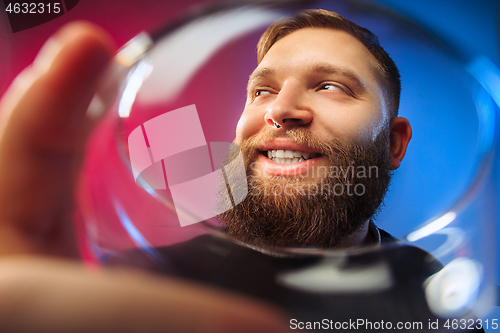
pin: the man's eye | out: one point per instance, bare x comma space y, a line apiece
332, 87
262, 92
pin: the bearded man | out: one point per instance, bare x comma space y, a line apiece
319, 134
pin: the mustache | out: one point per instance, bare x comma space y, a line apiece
301, 136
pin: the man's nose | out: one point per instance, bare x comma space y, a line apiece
289, 109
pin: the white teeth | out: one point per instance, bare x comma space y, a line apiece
289, 156
287, 160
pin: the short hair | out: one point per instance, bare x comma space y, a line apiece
320, 18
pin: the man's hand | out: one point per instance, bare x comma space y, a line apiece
43, 128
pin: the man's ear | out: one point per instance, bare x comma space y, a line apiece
400, 137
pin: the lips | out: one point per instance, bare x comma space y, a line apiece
283, 157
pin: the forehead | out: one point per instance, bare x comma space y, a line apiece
307, 48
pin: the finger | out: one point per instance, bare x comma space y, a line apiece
56, 296
41, 139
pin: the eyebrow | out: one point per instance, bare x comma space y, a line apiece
324, 68
318, 68
261, 73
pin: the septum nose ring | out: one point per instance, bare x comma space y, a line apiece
276, 124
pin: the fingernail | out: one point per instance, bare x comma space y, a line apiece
96, 108
47, 54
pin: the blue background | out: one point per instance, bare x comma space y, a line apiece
468, 25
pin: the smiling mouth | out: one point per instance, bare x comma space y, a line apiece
289, 156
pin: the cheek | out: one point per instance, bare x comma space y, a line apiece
371, 128
247, 126
363, 127
378, 126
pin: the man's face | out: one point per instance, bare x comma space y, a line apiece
322, 80
306, 181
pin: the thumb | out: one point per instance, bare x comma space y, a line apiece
41, 140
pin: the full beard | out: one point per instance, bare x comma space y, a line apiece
297, 212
